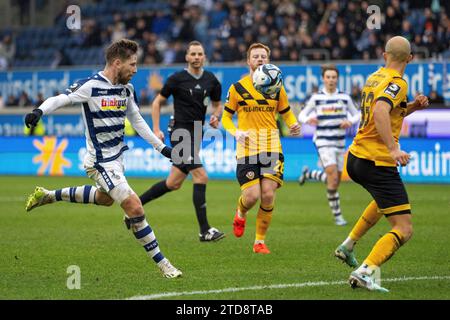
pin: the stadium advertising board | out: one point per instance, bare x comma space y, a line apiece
425, 123
56, 156
298, 79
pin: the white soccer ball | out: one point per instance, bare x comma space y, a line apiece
267, 79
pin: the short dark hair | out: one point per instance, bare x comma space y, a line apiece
327, 67
121, 49
193, 43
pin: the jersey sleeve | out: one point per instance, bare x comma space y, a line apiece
305, 114
283, 101
216, 92
134, 100
231, 103
394, 93
79, 92
168, 87
353, 114
230, 108
284, 109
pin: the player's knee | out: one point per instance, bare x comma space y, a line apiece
202, 179
109, 202
332, 181
406, 231
250, 199
103, 199
267, 196
132, 207
174, 185
199, 176
135, 211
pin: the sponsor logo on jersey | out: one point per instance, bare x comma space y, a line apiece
259, 109
332, 110
108, 104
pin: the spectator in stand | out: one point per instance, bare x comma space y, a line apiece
217, 15
144, 98
152, 55
300, 26
436, 98
60, 59
7, 52
24, 100
12, 101
2, 102
231, 51
39, 100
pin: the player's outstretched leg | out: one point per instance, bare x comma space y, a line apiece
42, 196
39, 197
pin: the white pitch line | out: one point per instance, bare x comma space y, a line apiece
273, 286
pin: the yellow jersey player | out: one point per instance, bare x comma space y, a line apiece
260, 160
372, 162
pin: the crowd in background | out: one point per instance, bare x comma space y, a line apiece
296, 31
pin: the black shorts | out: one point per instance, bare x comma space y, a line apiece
251, 169
383, 183
186, 146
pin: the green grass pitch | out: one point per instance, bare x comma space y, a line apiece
38, 247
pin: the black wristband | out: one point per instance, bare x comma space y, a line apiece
38, 112
167, 152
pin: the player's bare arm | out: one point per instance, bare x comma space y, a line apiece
295, 129
345, 124
383, 125
420, 102
156, 112
217, 111
241, 136
312, 121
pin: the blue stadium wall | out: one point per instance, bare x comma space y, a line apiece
62, 152
57, 156
298, 79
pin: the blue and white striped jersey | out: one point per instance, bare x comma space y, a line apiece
104, 107
330, 109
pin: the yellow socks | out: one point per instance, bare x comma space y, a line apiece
242, 209
384, 248
263, 219
370, 217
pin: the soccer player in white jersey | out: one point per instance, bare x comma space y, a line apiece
106, 99
332, 112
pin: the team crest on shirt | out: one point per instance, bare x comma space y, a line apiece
250, 175
392, 90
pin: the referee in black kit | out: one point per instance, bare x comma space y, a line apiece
191, 89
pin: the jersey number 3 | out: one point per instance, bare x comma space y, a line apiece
366, 102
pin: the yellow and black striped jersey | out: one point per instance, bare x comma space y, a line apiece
386, 85
256, 114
